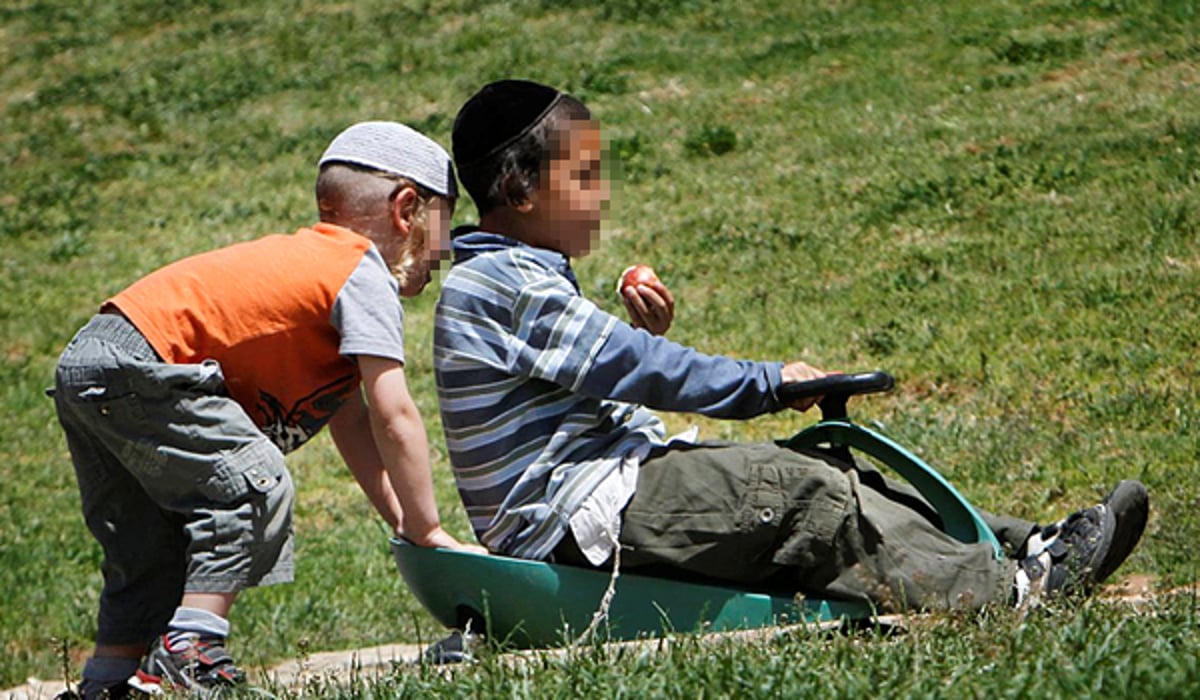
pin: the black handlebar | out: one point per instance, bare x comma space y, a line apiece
836, 389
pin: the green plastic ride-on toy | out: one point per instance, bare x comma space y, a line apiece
535, 604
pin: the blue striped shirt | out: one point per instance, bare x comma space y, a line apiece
542, 392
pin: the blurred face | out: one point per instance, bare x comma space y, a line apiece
572, 194
426, 246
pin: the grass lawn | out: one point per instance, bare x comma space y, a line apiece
995, 201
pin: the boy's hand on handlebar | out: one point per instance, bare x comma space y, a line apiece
801, 372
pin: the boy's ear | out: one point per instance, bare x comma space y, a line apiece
404, 209
517, 192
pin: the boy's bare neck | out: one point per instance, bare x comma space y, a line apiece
360, 227
506, 222
528, 228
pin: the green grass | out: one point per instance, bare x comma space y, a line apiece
997, 202
1096, 652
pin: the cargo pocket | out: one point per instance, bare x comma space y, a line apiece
256, 468
821, 500
102, 403
760, 512
101, 395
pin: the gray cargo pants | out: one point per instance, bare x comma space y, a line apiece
178, 486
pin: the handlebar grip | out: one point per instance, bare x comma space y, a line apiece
838, 385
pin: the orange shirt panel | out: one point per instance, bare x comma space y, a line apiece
262, 310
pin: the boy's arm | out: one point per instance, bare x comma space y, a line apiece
351, 431
565, 339
403, 449
521, 314
636, 367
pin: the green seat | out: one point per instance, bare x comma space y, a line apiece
537, 604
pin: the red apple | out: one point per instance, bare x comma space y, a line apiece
635, 275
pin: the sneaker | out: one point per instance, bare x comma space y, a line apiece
198, 664
1071, 555
1130, 505
454, 649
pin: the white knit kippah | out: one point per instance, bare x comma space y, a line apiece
394, 148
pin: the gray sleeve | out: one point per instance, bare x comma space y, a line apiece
367, 312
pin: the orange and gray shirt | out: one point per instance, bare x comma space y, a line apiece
283, 315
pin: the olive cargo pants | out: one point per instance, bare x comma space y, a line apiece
767, 516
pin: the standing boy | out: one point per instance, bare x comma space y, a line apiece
543, 400
181, 397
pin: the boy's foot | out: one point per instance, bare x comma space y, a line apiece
454, 649
1129, 503
198, 664
1072, 551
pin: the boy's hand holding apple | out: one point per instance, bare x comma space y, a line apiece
647, 300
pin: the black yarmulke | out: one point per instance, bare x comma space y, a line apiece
497, 115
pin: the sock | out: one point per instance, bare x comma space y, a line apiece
192, 621
1022, 587
1039, 541
103, 672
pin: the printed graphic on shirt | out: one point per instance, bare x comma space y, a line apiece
291, 427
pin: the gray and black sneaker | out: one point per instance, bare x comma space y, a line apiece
1129, 504
455, 648
1071, 553
196, 663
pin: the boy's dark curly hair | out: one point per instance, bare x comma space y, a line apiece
505, 134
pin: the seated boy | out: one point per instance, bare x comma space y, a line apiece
544, 402
181, 397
